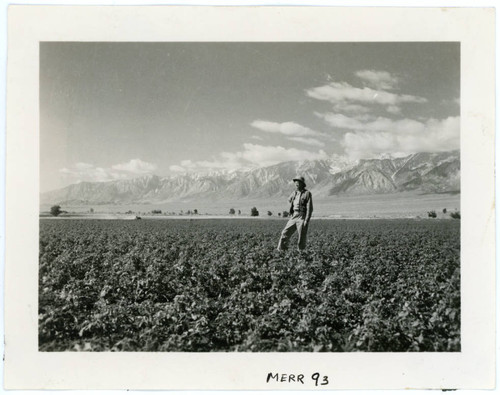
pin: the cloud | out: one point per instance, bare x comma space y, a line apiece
451, 101
187, 163
404, 137
257, 138
377, 125
340, 121
81, 172
342, 93
177, 169
83, 166
252, 155
355, 109
136, 166
378, 79
292, 132
308, 141
286, 128
270, 155
89, 173
394, 110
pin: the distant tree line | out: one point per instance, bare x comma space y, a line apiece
55, 210
453, 214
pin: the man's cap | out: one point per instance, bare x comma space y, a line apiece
301, 179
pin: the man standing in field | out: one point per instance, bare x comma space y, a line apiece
301, 208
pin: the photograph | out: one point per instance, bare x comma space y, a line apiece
249, 196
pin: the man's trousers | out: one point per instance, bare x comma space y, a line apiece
294, 224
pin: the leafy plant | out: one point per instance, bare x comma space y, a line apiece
151, 285
455, 214
55, 210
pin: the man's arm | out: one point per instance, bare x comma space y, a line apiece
309, 208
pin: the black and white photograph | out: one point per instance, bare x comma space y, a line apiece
242, 197
249, 197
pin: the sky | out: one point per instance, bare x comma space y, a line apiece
122, 110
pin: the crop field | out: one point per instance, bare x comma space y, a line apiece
220, 285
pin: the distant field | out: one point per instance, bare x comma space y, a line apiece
401, 205
219, 285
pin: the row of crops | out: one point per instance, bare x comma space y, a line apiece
220, 285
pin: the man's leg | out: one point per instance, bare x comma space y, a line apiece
286, 234
302, 230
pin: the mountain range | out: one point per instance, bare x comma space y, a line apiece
420, 172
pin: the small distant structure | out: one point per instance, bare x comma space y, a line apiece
137, 217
